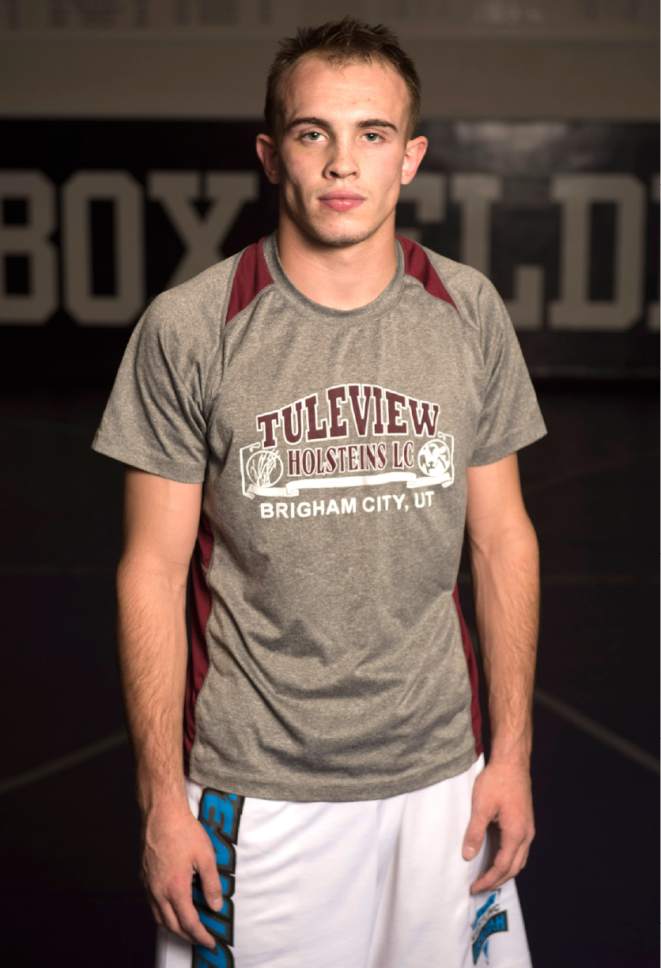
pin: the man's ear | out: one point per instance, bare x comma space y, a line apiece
414, 152
267, 152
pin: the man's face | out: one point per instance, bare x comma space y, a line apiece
343, 152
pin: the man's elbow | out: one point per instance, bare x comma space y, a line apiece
140, 569
513, 534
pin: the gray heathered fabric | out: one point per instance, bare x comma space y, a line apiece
337, 670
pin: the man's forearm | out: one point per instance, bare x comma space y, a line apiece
153, 655
506, 588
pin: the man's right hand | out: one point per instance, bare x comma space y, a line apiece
175, 847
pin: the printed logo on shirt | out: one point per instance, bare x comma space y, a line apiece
351, 435
219, 813
490, 918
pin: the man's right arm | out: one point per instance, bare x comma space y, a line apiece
161, 519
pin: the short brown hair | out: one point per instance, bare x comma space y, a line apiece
340, 42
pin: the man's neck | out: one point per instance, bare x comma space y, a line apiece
340, 278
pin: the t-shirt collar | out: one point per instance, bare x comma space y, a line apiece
385, 301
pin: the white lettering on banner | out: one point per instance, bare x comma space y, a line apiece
476, 193
202, 238
31, 241
202, 235
79, 299
574, 310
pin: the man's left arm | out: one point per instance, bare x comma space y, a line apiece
504, 558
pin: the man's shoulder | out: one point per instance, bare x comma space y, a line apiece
468, 289
201, 305
206, 291
451, 272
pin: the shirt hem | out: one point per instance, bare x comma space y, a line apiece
332, 792
184, 474
514, 441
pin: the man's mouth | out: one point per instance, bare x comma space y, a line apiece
341, 201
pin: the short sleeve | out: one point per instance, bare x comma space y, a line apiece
510, 417
154, 418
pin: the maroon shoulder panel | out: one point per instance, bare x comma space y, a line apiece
418, 265
250, 277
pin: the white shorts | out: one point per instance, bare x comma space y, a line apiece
358, 884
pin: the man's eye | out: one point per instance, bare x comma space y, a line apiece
373, 136
311, 134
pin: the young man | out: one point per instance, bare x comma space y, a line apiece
312, 421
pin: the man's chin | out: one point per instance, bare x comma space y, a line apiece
340, 241
338, 236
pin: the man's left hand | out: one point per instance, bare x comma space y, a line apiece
502, 795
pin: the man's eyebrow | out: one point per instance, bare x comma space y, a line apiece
320, 123
377, 123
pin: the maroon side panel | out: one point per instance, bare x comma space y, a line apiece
250, 277
199, 609
418, 265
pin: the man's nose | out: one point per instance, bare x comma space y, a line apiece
342, 163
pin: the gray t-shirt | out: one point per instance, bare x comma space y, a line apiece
328, 658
